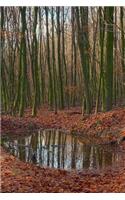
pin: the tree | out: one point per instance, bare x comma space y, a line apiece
35, 71
122, 23
48, 60
23, 63
109, 59
60, 81
83, 44
54, 63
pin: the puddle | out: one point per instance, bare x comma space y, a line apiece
53, 148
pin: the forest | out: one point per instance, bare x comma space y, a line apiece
62, 99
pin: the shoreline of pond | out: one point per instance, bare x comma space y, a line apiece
58, 149
103, 128
18, 176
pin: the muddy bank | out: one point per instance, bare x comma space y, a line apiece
17, 176
103, 127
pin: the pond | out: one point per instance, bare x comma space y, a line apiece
56, 149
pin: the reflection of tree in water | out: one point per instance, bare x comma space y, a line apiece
55, 149
73, 152
64, 136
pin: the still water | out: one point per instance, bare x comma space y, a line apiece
53, 148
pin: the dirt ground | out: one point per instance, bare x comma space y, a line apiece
17, 176
103, 127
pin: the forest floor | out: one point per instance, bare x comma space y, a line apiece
17, 176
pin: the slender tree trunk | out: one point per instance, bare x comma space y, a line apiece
48, 60
61, 94
122, 22
109, 59
54, 64
101, 76
82, 34
23, 62
36, 95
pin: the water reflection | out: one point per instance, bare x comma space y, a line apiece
55, 149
